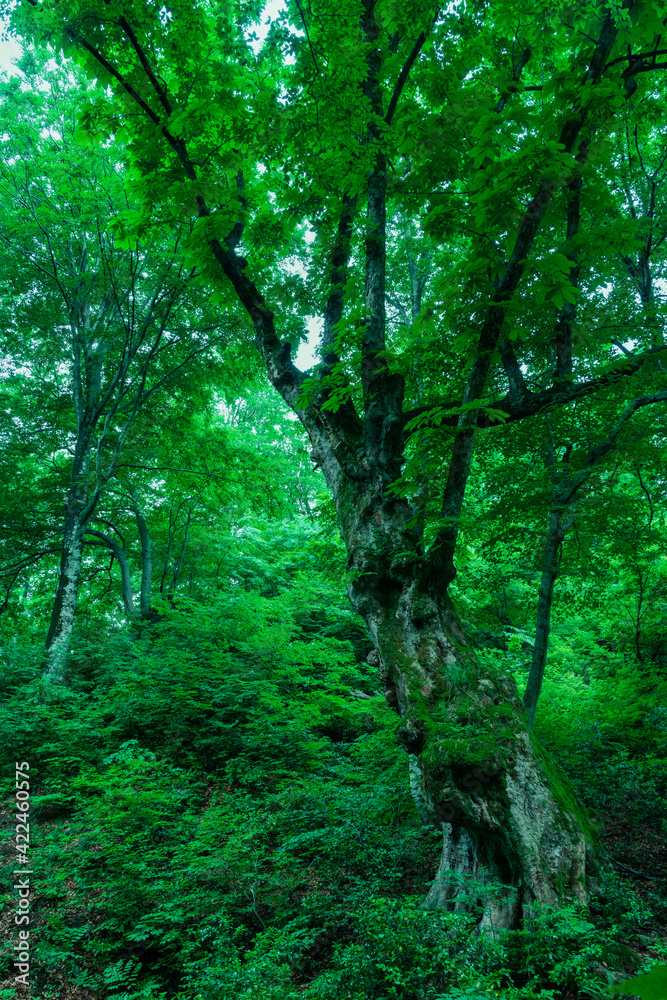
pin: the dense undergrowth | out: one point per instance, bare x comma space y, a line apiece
219, 815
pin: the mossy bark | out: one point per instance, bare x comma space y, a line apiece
475, 771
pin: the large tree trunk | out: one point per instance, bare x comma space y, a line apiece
505, 814
475, 771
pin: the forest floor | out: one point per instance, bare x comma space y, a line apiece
639, 851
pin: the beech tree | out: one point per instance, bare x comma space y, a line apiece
489, 129
99, 330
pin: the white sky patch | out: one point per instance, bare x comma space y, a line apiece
271, 11
629, 345
306, 356
10, 51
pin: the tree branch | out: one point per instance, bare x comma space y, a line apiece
647, 494
405, 73
161, 93
129, 89
632, 58
119, 553
9, 568
171, 468
340, 258
569, 310
515, 76
537, 402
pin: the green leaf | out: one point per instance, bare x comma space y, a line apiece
651, 986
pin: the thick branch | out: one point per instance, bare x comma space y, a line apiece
111, 69
236, 234
536, 402
633, 58
333, 311
404, 74
383, 392
161, 93
284, 376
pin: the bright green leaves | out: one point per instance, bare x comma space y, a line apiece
640, 25
553, 280
329, 391
651, 986
485, 136
472, 145
126, 228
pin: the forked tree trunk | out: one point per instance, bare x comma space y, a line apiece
505, 814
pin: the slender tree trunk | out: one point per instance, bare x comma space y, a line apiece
170, 538
126, 579
561, 517
146, 560
555, 536
179, 563
126, 582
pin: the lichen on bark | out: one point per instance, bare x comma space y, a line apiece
475, 770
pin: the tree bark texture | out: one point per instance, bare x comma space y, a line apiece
505, 814
78, 511
64, 603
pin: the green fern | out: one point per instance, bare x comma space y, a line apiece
122, 975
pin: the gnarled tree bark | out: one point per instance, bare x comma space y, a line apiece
475, 773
